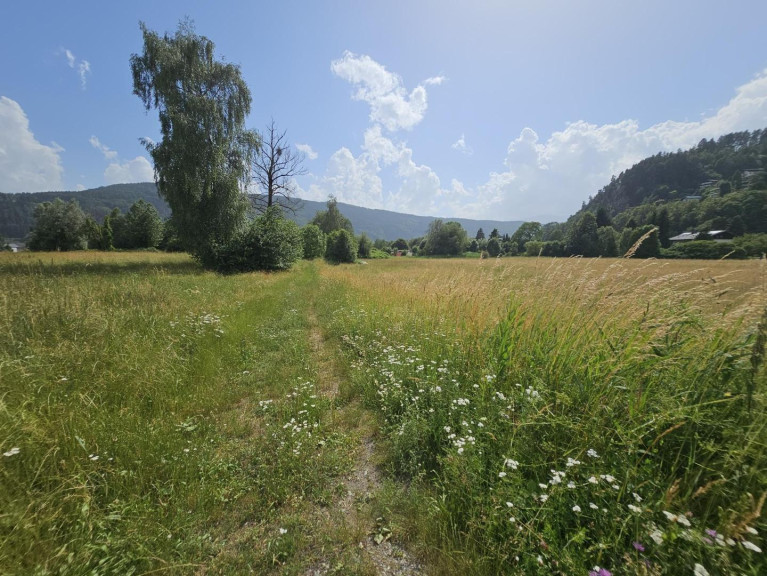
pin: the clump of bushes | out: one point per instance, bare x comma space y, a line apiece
705, 250
270, 242
341, 247
314, 241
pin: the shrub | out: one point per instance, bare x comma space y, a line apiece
554, 248
314, 241
341, 247
271, 242
754, 245
364, 245
705, 250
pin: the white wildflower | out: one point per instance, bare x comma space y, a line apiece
591, 453
700, 571
635, 509
509, 463
12, 452
593, 506
576, 508
751, 546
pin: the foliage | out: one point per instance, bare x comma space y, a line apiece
552, 248
364, 246
376, 254
493, 247
341, 247
583, 238
145, 225
608, 241
274, 169
672, 176
705, 250
754, 245
314, 242
17, 210
480, 235
58, 226
525, 233
648, 248
331, 219
446, 239
399, 244
170, 241
271, 242
202, 160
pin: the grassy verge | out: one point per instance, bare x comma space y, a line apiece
612, 419
157, 419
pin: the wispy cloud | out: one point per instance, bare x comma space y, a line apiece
83, 67
462, 147
434, 80
108, 153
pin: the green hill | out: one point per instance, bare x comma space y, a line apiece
16, 212
717, 185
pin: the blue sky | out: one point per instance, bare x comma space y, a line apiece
487, 109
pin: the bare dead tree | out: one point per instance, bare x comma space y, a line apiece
274, 170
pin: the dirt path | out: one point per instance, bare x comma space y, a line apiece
349, 516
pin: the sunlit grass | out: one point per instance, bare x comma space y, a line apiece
557, 415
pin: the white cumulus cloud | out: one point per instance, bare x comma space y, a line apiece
307, 150
390, 103
122, 172
26, 165
137, 170
548, 179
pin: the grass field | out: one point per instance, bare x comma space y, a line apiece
436, 416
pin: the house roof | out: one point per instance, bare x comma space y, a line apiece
694, 235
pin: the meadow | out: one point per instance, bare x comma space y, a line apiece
475, 417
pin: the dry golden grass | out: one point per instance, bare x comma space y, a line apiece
476, 293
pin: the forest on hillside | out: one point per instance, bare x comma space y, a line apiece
717, 185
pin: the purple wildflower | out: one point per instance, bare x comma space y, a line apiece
638, 546
711, 532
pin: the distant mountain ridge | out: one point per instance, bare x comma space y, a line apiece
16, 212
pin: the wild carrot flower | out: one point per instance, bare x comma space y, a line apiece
12, 452
751, 546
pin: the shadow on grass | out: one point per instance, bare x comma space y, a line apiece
53, 268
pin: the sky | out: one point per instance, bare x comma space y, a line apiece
494, 109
